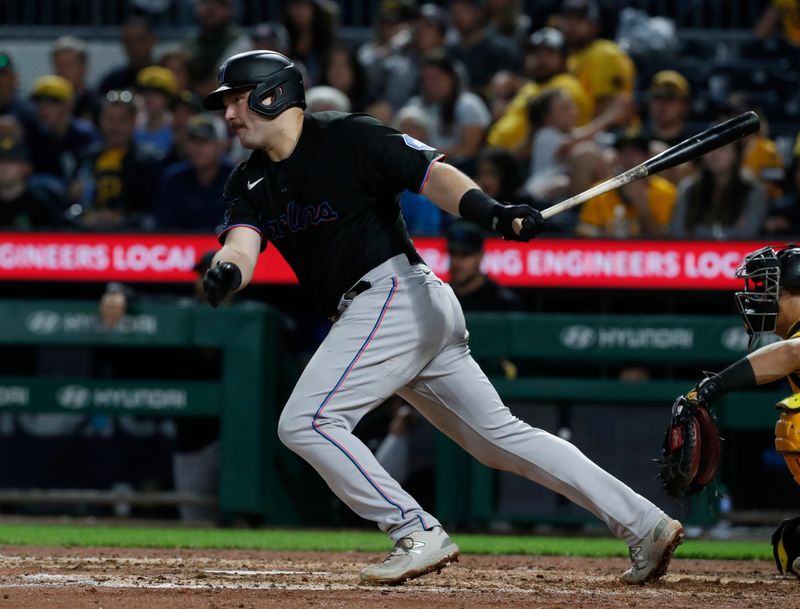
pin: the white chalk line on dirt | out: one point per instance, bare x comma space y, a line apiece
269, 572
52, 580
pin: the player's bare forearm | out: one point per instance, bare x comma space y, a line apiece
242, 246
775, 361
446, 185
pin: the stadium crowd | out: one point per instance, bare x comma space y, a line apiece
535, 112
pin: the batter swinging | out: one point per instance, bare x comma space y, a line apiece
323, 189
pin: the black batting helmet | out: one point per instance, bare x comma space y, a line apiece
765, 271
267, 73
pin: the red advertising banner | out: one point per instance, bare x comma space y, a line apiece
544, 263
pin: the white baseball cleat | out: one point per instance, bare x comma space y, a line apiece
650, 557
796, 566
416, 554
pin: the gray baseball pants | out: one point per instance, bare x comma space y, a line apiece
406, 335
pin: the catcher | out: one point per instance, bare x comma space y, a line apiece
770, 303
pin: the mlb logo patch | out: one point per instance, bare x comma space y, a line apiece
415, 143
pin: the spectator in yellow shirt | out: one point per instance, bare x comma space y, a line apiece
639, 209
603, 69
545, 64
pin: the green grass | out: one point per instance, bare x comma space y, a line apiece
340, 541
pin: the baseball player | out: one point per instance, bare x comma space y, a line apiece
323, 188
770, 303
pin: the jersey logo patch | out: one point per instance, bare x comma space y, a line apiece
415, 143
252, 185
298, 218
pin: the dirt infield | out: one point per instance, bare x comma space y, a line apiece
81, 578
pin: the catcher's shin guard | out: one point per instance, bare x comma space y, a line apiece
786, 546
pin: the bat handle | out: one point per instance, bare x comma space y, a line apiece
516, 225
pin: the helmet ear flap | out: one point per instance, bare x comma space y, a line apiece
286, 94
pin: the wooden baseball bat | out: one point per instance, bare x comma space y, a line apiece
689, 149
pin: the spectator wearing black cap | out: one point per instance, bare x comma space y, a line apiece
545, 65
474, 289
640, 209
138, 41
604, 70
457, 119
23, 204
190, 193
70, 60
10, 101
57, 140
481, 52
115, 184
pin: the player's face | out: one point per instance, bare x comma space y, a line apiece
253, 131
787, 313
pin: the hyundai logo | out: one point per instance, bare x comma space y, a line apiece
734, 339
578, 337
43, 322
73, 397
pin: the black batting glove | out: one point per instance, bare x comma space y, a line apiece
532, 222
221, 280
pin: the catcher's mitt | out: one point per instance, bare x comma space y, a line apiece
786, 546
691, 450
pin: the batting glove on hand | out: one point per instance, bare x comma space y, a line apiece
532, 222
221, 280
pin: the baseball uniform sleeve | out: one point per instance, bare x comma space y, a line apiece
241, 211
392, 161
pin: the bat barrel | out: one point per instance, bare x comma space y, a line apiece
710, 139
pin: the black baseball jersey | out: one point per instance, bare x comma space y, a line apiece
331, 208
